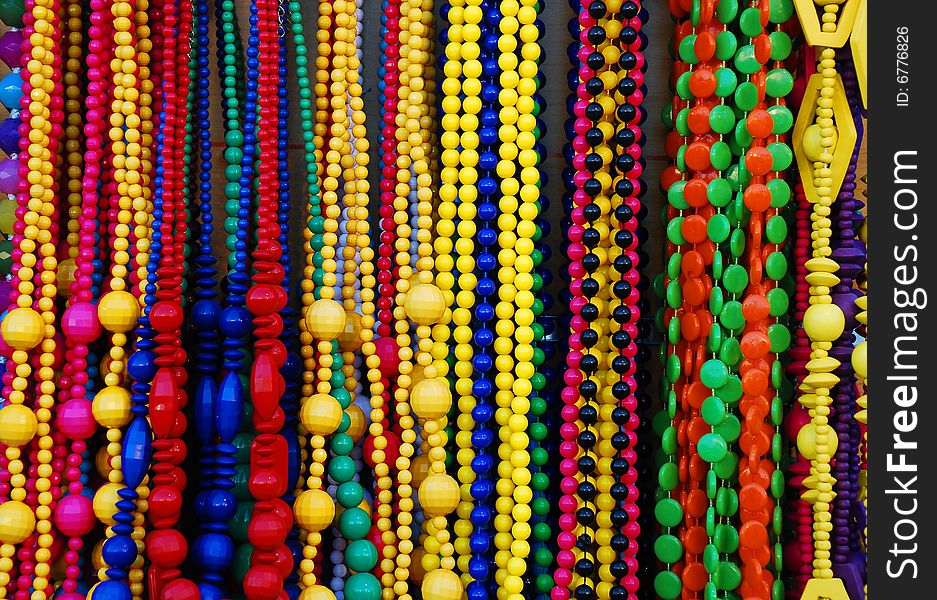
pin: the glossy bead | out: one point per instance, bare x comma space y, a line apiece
439, 494
431, 398
441, 585
824, 322
325, 319
321, 414
111, 407
17, 425
17, 522
23, 328
425, 304
314, 510
118, 311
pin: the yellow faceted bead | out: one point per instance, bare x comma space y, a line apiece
439, 494
111, 407
859, 360
325, 319
314, 510
441, 585
431, 398
23, 328
425, 304
118, 311
105, 502
316, 592
824, 322
17, 522
17, 425
359, 422
321, 414
349, 339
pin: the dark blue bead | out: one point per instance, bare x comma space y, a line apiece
206, 313
487, 211
213, 552
478, 567
141, 366
235, 322
119, 551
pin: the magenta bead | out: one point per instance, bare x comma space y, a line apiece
80, 323
74, 515
75, 420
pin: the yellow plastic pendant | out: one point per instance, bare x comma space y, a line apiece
814, 31
825, 589
858, 42
846, 130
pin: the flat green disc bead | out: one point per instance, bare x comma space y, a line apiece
674, 233
658, 285
719, 538
712, 448
776, 266
695, 10
780, 45
777, 411
750, 22
712, 484
716, 301
742, 137
668, 585
718, 228
777, 520
776, 229
722, 502
713, 411
717, 265
681, 158
780, 11
722, 118
728, 575
668, 441
777, 483
719, 192
674, 294
731, 351
779, 83
715, 338
675, 196
726, 10
710, 558
730, 393
666, 115
735, 278
729, 430
746, 94
777, 374
781, 156
720, 156
668, 477
780, 192
732, 540
731, 315
683, 87
714, 373
681, 124
672, 405
745, 61
710, 591
710, 521
668, 512
673, 265
777, 590
687, 51
726, 46
668, 549
737, 241
673, 331
780, 337
726, 82
781, 117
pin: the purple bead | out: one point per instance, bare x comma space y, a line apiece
9, 176
10, 47
9, 135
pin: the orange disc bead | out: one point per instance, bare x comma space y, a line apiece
703, 83
757, 197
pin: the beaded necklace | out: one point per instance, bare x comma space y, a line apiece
824, 137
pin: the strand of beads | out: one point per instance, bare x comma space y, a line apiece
824, 138
31, 323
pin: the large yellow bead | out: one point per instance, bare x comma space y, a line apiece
17, 425
325, 319
824, 322
425, 304
349, 340
359, 422
316, 592
314, 510
860, 360
807, 442
17, 522
441, 585
431, 398
23, 328
111, 407
439, 494
65, 277
813, 149
105, 502
321, 414
118, 311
